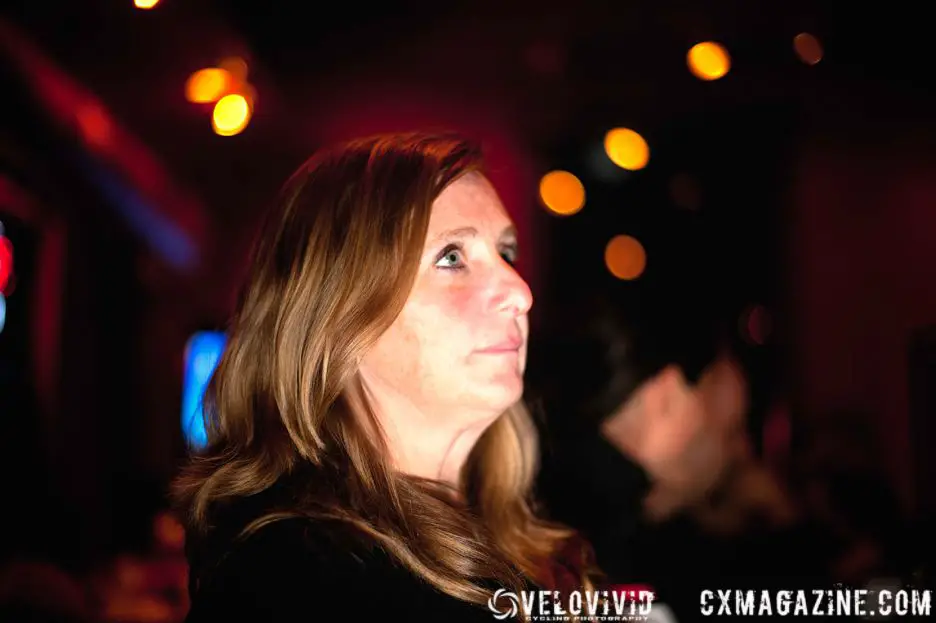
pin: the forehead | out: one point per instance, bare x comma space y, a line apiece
469, 201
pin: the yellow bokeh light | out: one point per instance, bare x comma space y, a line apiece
145, 4
625, 257
627, 149
708, 61
808, 48
207, 85
231, 115
562, 193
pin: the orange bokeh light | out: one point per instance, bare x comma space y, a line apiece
208, 85
708, 60
236, 67
625, 257
562, 193
627, 149
807, 48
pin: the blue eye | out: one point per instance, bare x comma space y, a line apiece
510, 255
450, 258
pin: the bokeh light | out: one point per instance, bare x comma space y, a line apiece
145, 4
625, 257
168, 531
231, 115
6, 263
755, 325
807, 48
562, 193
236, 68
208, 85
708, 60
94, 124
627, 149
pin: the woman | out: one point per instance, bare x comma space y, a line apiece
369, 454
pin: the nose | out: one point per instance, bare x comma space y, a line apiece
512, 293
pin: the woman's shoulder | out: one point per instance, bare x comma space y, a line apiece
297, 567
279, 567
299, 543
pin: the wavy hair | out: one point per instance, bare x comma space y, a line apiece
332, 269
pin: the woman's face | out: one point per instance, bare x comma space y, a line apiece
459, 346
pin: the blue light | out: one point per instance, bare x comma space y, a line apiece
2, 311
202, 353
166, 237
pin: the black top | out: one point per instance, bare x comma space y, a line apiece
301, 570
306, 570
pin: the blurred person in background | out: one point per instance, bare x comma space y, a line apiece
675, 498
369, 452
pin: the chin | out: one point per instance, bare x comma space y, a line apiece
503, 395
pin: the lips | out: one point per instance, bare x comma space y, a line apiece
506, 346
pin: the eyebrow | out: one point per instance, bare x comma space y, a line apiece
458, 232
469, 232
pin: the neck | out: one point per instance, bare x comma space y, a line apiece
437, 454
427, 443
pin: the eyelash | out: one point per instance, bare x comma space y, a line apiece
509, 254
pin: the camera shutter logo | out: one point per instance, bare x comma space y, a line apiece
511, 597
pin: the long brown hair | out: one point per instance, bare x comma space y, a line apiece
332, 268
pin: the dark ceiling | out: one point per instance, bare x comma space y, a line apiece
606, 58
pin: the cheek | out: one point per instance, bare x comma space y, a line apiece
398, 350
394, 355
412, 346
435, 331
446, 319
